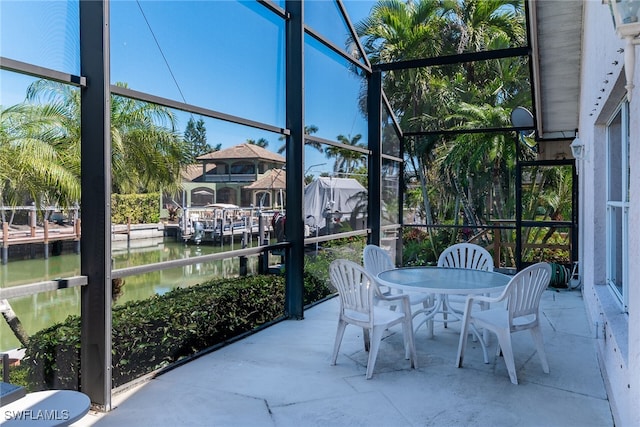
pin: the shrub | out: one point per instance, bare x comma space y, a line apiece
52, 357
416, 249
141, 208
316, 265
153, 333
423, 248
315, 288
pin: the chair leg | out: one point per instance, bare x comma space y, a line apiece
536, 333
485, 334
409, 343
376, 337
477, 337
462, 343
445, 308
504, 340
429, 304
342, 325
405, 342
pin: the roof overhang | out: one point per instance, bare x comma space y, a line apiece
555, 31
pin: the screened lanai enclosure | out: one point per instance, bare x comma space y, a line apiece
418, 106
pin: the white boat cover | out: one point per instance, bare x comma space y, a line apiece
331, 195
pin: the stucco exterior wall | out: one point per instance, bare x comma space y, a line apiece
617, 334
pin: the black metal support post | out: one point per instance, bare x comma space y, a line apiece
95, 362
402, 188
294, 227
518, 207
263, 258
374, 107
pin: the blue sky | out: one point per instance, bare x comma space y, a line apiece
237, 45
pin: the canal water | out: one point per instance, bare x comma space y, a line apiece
42, 310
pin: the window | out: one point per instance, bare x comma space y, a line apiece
618, 203
226, 195
242, 168
202, 196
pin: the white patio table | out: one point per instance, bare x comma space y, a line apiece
46, 409
441, 281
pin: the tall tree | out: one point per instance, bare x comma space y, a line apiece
195, 137
147, 153
346, 160
480, 164
38, 163
308, 130
401, 30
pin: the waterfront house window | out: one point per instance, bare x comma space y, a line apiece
226, 195
618, 203
243, 168
202, 196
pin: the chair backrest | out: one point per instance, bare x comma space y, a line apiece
525, 290
355, 287
376, 260
466, 255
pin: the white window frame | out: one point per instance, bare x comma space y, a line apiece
616, 206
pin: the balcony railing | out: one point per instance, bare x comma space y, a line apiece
244, 177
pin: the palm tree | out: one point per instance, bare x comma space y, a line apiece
346, 160
477, 22
37, 162
477, 157
396, 31
437, 98
308, 130
147, 151
546, 196
493, 88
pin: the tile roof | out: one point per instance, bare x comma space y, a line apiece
273, 179
191, 172
243, 151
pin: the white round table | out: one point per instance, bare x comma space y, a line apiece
46, 409
440, 281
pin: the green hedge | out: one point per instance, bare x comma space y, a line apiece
163, 329
141, 208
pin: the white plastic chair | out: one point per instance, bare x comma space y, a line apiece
463, 255
522, 296
466, 255
376, 260
357, 291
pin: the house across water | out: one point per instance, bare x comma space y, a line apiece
245, 175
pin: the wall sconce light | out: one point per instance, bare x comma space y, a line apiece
626, 22
577, 148
578, 151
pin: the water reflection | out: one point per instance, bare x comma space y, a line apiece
42, 310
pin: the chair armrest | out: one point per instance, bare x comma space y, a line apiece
483, 298
394, 297
406, 303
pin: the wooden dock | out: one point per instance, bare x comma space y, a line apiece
44, 235
50, 232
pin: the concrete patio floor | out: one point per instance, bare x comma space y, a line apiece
282, 377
